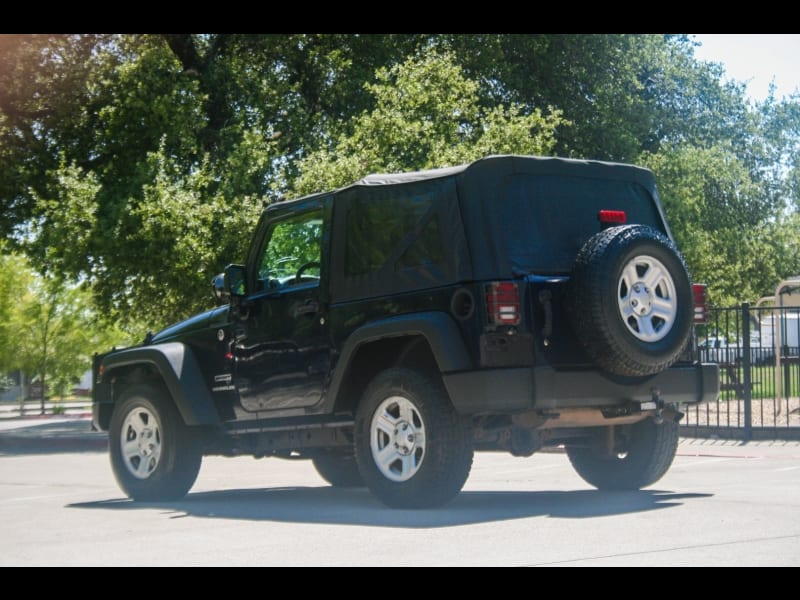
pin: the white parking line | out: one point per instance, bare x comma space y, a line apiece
703, 462
42, 497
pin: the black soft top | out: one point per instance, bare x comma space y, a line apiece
499, 165
499, 217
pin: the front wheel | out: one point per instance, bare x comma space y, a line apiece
412, 448
155, 456
642, 453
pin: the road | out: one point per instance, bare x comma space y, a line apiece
719, 505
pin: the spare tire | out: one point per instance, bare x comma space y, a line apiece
630, 300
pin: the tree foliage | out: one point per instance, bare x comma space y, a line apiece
426, 115
7, 309
730, 233
50, 328
137, 164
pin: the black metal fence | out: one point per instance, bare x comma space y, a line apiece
758, 350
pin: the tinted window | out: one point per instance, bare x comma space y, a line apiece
395, 233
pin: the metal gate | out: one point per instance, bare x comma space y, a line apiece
758, 351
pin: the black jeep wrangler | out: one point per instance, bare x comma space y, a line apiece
389, 329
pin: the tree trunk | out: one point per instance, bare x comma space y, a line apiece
44, 374
23, 392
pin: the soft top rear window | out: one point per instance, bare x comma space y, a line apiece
537, 223
550, 217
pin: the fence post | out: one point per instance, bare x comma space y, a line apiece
747, 378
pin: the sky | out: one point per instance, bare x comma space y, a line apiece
755, 59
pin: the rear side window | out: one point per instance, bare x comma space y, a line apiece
396, 238
391, 234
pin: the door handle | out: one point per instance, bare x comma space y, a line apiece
308, 307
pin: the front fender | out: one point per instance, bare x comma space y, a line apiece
180, 372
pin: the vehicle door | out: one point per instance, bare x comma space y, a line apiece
282, 352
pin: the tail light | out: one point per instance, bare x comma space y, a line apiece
700, 303
608, 218
502, 303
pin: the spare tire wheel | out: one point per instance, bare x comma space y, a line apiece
630, 300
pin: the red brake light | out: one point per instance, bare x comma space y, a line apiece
700, 303
502, 303
612, 217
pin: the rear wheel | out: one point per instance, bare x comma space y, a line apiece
641, 455
339, 468
155, 456
413, 449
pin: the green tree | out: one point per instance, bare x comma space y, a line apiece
91, 123
732, 233
780, 147
624, 93
427, 114
7, 309
106, 139
185, 234
52, 329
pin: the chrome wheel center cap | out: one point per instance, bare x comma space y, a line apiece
145, 445
404, 438
641, 299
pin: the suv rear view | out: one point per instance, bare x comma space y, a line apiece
389, 329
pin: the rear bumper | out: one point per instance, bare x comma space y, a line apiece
520, 389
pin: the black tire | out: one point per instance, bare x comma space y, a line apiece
147, 413
339, 468
416, 474
649, 450
637, 269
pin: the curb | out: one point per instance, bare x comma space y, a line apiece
46, 417
46, 433
10, 444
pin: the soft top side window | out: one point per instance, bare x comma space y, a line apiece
394, 233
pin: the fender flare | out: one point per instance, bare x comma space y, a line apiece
180, 372
438, 328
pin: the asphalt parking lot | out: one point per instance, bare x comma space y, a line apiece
722, 503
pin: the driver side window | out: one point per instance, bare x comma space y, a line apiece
292, 255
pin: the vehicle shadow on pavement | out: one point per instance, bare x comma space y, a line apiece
357, 507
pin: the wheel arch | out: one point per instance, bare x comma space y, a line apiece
173, 365
428, 341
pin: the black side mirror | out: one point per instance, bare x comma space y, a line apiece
218, 291
235, 284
